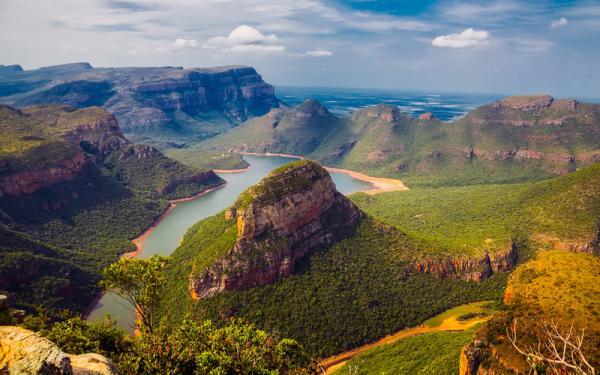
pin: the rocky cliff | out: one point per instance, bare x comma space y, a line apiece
292, 212
473, 269
24, 352
172, 102
64, 144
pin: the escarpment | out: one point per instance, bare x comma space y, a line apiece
471, 268
291, 213
159, 105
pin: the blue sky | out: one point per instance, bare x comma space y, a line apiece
500, 46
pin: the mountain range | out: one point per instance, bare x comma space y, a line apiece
162, 106
512, 140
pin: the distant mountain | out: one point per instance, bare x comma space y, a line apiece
73, 192
511, 140
164, 106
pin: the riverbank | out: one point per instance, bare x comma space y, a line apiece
380, 184
139, 240
450, 323
242, 170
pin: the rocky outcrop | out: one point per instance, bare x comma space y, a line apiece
526, 102
471, 268
30, 181
427, 116
24, 352
386, 113
289, 214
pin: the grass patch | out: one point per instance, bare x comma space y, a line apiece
431, 353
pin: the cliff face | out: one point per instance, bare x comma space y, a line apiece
151, 101
65, 144
473, 269
289, 214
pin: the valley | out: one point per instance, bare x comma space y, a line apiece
357, 238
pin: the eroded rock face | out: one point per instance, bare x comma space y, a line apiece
30, 181
288, 215
24, 352
526, 102
471, 269
387, 113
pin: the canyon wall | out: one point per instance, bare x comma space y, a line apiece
288, 215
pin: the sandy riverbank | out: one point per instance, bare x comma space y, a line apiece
139, 240
242, 170
380, 184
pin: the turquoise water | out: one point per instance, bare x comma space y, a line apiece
166, 236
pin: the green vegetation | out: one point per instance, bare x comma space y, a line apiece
432, 353
55, 242
556, 287
338, 299
488, 146
472, 220
463, 312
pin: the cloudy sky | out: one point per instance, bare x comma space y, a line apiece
501, 46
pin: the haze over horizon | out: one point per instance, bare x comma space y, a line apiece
503, 46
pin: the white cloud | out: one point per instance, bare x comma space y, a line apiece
562, 21
318, 53
246, 39
468, 38
179, 44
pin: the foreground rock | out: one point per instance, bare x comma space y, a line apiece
24, 352
291, 213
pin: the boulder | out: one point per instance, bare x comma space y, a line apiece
24, 352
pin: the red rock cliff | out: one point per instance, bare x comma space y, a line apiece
289, 214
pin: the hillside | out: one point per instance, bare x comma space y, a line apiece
162, 106
516, 139
294, 256
562, 212
556, 287
73, 192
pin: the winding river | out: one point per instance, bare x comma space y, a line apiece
166, 235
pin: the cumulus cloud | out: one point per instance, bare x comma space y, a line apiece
179, 44
246, 39
318, 53
468, 38
562, 21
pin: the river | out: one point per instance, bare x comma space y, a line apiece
166, 236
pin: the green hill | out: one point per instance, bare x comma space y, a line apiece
516, 139
329, 293
73, 192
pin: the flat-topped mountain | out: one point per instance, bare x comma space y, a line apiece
515, 139
291, 213
73, 192
155, 105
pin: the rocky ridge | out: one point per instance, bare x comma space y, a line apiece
291, 213
471, 269
146, 101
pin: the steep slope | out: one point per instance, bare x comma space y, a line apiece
162, 106
71, 181
516, 139
296, 257
298, 131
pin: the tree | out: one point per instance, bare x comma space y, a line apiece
562, 353
139, 282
